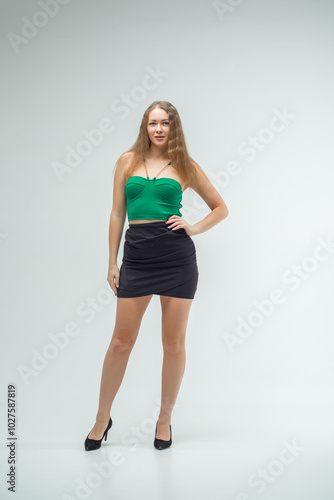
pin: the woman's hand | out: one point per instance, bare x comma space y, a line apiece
113, 277
176, 222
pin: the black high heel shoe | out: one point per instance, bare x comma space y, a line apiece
161, 444
95, 444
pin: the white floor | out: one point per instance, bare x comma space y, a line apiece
217, 455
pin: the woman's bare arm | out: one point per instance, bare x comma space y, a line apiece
206, 190
117, 219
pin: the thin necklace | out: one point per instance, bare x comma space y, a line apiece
158, 172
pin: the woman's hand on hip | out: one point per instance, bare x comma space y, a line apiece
177, 222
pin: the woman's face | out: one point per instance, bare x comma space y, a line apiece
158, 126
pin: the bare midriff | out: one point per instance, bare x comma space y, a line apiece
144, 220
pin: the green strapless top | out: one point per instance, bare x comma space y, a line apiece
152, 198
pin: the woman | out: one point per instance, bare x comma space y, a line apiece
159, 257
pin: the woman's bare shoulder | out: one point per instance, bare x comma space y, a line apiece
123, 164
195, 165
197, 171
126, 157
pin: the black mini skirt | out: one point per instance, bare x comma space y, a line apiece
158, 260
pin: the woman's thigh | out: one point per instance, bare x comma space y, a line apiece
175, 314
129, 314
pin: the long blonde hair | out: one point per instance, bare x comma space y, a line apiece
177, 148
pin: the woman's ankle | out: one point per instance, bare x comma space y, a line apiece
164, 419
102, 418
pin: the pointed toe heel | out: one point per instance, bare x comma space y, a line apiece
161, 444
95, 444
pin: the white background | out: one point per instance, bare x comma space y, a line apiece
229, 71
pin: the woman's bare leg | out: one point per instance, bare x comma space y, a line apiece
175, 313
129, 313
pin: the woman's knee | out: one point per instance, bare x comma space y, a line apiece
122, 342
173, 345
